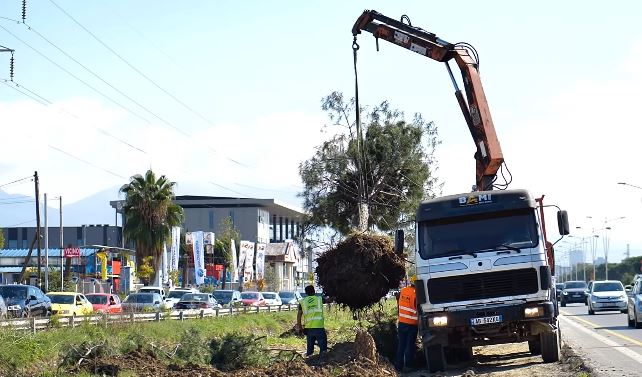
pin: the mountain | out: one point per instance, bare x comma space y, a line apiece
19, 210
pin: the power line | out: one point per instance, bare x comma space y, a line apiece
190, 109
45, 102
16, 181
166, 122
85, 161
16, 202
24, 222
105, 82
76, 77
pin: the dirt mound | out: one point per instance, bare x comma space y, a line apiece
360, 270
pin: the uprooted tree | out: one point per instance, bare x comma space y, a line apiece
367, 178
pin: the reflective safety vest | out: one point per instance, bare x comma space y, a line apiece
312, 307
408, 306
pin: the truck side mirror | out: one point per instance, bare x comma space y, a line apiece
562, 223
399, 241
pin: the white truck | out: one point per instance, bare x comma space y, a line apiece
484, 275
484, 265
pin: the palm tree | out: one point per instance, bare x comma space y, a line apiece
150, 213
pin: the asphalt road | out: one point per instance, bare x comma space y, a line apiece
603, 340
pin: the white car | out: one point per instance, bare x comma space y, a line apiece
272, 298
150, 289
174, 295
607, 295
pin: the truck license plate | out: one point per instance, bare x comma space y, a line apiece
485, 320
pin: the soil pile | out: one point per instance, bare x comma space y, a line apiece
360, 270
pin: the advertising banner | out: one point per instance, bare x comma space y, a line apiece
199, 258
241, 265
248, 271
260, 260
234, 267
72, 252
208, 238
164, 266
175, 248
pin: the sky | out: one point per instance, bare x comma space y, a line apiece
223, 97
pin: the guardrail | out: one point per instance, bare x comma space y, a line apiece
35, 324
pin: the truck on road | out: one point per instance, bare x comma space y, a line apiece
485, 268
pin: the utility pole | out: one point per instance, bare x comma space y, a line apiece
628, 251
46, 248
37, 184
62, 247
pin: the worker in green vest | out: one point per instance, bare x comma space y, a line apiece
311, 310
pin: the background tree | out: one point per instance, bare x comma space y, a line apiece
1, 239
390, 171
150, 213
223, 245
272, 278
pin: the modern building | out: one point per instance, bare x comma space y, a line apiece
258, 220
74, 236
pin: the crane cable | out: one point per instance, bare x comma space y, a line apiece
360, 150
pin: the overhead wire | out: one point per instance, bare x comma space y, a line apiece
189, 108
164, 121
45, 102
16, 181
77, 78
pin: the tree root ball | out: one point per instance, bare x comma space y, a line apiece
360, 270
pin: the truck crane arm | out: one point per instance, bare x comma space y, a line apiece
475, 108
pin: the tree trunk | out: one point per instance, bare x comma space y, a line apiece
158, 261
364, 214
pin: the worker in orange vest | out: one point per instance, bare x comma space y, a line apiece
407, 328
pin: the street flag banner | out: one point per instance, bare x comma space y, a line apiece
199, 258
260, 260
241, 265
175, 248
248, 271
208, 238
234, 267
164, 266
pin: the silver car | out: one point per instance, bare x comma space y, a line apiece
607, 295
138, 302
634, 306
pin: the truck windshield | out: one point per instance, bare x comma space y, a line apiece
506, 230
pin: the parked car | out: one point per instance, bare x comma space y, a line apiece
607, 295
69, 303
138, 302
290, 297
25, 300
151, 289
634, 305
252, 299
105, 302
559, 287
175, 294
573, 291
272, 298
227, 297
3, 308
197, 301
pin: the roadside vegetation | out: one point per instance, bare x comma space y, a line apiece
221, 344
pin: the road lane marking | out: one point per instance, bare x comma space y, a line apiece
615, 346
596, 326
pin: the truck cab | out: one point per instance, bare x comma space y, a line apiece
484, 275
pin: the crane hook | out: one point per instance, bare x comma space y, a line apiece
355, 45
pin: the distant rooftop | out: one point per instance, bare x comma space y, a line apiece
273, 206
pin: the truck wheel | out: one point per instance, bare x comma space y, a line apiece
563, 303
535, 347
435, 358
591, 311
631, 321
550, 347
